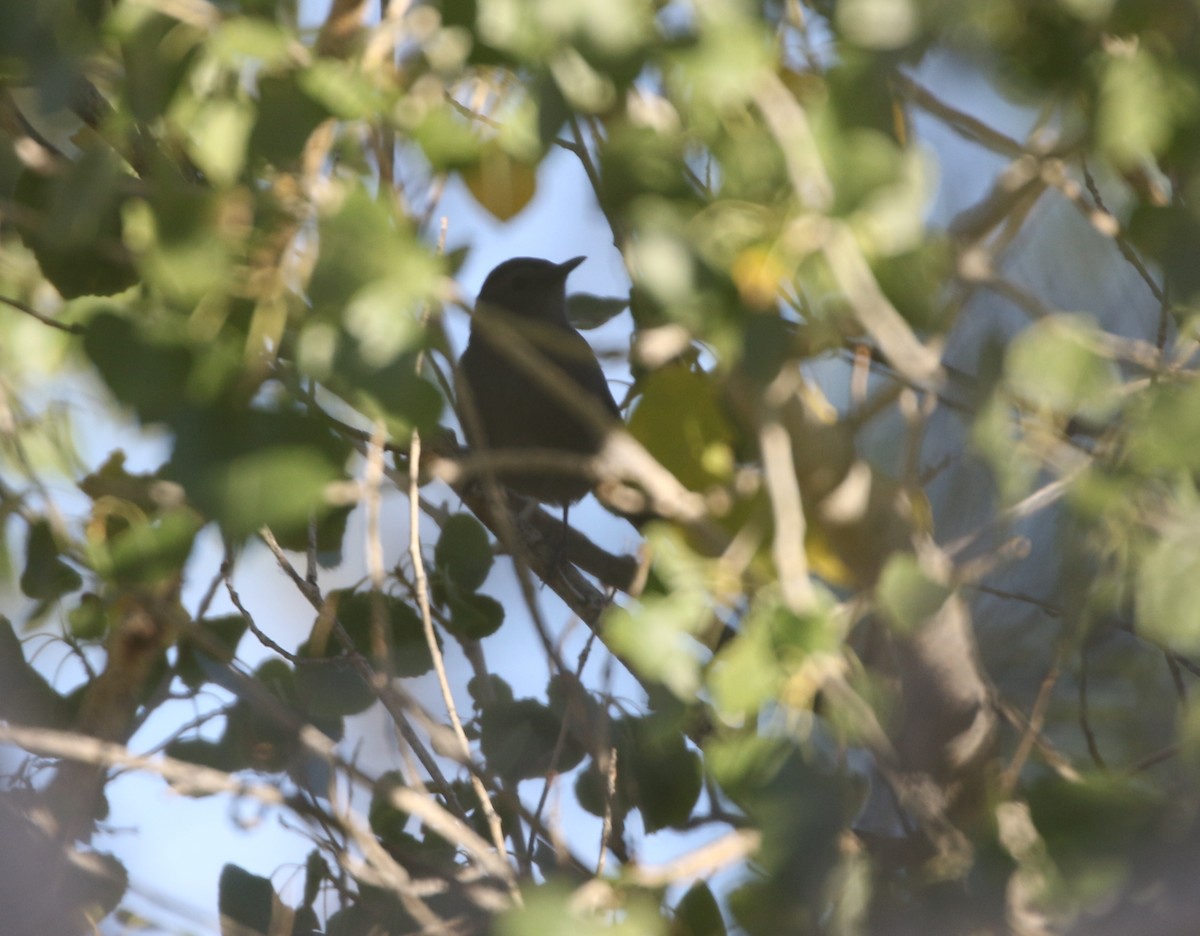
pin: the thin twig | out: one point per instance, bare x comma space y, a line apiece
69, 327
1037, 717
439, 665
1084, 723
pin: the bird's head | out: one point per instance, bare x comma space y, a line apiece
529, 287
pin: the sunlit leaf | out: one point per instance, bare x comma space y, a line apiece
501, 184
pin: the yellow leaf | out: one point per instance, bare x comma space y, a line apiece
501, 184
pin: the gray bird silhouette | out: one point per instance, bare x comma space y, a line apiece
527, 297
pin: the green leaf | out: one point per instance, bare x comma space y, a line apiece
1166, 233
157, 51
386, 820
1137, 105
46, 576
680, 420
907, 595
187, 238
147, 550
247, 468
202, 657
254, 739
447, 140
27, 698
287, 116
404, 634
1054, 365
89, 619
1092, 829
494, 689
1163, 430
668, 776
241, 38
362, 243
549, 910
463, 552
200, 751
518, 740
475, 616
745, 673
217, 136
279, 486
342, 89
331, 533
1168, 589
697, 913
77, 238
586, 311
333, 688
148, 376
245, 899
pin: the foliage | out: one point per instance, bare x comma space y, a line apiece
912, 656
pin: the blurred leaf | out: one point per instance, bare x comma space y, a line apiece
1091, 828
146, 550
1166, 233
218, 133
1137, 107
475, 616
287, 116
907, 595
501, 184
255, 739
344, 91
1163, 430
241, 38
147, 375
668, 776
725, 66
586, 311
1168, 589
244, 900
878, 24
186, 238
248, 468
111, 479
494, 690
518, 740
374, 277
1053, 364
332, 687
27, 698
330, 535
463, 552
447, 140
547, 910
697, 913
73, 225
680, 420
386, 820
46, 576
201, 658
404, 633
89, 619
745, 674
157, 50
202, 752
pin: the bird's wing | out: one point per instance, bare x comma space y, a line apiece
575, 356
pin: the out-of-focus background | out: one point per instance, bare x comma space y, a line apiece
899, 291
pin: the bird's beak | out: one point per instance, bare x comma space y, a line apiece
565, 268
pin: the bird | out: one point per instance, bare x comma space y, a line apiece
525, 298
